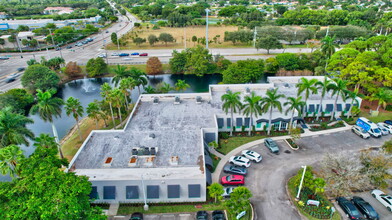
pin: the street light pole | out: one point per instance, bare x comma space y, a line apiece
300, 185
254, 37
20, 49
144, 195
207, 10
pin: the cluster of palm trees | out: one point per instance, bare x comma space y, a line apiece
254, 106
164, 87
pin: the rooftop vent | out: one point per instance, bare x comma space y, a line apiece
144, 151
134, 151
151, 136
174, 160
153, 151
247, 90
156, 100
177, 100
132, 161
108, 162
286, 85
198, 99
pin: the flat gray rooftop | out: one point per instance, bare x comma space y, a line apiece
177, 130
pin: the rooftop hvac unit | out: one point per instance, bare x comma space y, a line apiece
177, 100
247, 90
174, 160
198, 99
156, 100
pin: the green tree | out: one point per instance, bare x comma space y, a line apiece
106, 90
328, 47
19, 99
338, 89
194, 40
269, 102
125, 84
353, 96
232, 102
120, 73
96, 67
295, 104
165, 37
239, 200
138, 41
307, 86
39, 77
46, 141
93, 112
48, 107
73, 106
114, 38
198, 61
383, 96
243, 71
116, 98
149, 90
177, 62
139, 77
268, 43
152, 39
164, 87
252, 108
13, 128
181, 85
215, 191
10, 157
324, 86
387, 146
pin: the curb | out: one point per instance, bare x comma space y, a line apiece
291, 201
252, 217
292, 148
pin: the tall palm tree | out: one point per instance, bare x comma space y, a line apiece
353, 96
383, 96
121, 73
13, 128
73, 106
149, 90
93, 112
328, 47
48, 107
324, 86
164, 87
117, 100
45, 141
124, 85
181, 85
232, 102
10, 157
106, 90
270, 102
140, 78
252, 107
338, 88
295, 104
307, 86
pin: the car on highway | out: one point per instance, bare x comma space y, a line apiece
127, 58
388, 122
135, 54
106, 31
143, 55
233, 180
227, 191
20, 69
202, 215
384, 199
79, 44
69, 47
123, 54
233, 169
365, 208
4, 58
102, 55
136, 216
58, 48
349, 208
11, 77
239, 161
271, 145
218, 215
386, 126
252, 155
114, 54
360, 132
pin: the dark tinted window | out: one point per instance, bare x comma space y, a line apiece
109, 192
132, 192
194, 191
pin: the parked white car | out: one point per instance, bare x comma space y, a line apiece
384, 131
239, 161
227, 191
102, 55
114, 54
251, 155
360, 132
386, 126
383, 198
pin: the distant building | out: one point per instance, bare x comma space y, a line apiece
25, 35
58, 10
3, 15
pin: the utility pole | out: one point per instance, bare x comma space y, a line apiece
20, 49
207, 10
104, 47
50, 32
118, 44
326, 34
184, 37
254, 37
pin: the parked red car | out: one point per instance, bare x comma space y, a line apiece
143, 54
233, 180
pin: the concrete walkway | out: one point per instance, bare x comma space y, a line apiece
225, 158
113, 208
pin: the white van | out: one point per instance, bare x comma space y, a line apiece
369, 126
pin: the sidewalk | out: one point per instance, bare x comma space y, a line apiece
225, 158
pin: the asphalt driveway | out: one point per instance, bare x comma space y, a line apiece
267, 180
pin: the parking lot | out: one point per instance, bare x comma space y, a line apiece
166, 216
267, 180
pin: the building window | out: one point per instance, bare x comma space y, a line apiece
194, 191
283, 126
238, 122
220, 122
247, 122
94, 193
258, 125
132, 192
153, 192
228, 124
276, 126
173, 191
109, 192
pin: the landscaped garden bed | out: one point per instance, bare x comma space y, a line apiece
292, 144
325, 126
215, 161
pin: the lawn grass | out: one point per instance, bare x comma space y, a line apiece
382, 116
227, 145
215, 161
169, 208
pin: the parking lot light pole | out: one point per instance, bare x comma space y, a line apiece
207, 10
144, 196
300, 185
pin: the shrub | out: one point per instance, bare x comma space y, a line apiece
225, 135
243, 128
366, 107
388, 108
323, 125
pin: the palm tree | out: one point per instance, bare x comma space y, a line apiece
328, 47
10, 157
353, 96
252, 107
307, 86
140, 77
121, 73
116, 99
231, 101
164, 87
106, 90
93, 112
383, 96
324, 86
125, 84
338, 88
45, 141
73, 106
13, 128
181, 85
149, 90
48, 107
295, 104
270, 102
